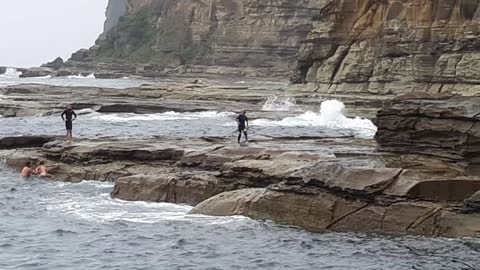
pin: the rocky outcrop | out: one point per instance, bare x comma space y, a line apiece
323, 211
36, 72
55, 64
392, 47
445, 126
24, 141
81, 55
257, 38
323, 184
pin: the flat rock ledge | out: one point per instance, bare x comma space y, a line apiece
319, 184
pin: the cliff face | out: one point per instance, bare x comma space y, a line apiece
393, 46
254, 36
115, 10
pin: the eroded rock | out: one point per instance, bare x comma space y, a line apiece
25, 141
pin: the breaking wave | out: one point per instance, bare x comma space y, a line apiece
11, 73
331, 115
168, 116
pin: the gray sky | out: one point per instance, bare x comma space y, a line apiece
33, 32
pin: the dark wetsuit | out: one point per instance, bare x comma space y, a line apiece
68, 115
242, 119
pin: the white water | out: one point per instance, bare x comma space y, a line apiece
275, 103
331, 115
11, 72
168, 116
79, 76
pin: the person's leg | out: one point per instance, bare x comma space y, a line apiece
246, 136
239, 136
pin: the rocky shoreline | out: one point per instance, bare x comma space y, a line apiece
342, 183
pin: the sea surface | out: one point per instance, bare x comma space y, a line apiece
55, 225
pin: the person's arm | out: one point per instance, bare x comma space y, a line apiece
246, 119
74, 114
63, 114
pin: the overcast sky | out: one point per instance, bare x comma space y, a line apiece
33, 32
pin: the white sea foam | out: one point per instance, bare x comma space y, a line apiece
85, 111
91, 201
80, 76
331, 115
168, 116
11, 73
275, 103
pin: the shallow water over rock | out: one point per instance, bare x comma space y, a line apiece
51, 225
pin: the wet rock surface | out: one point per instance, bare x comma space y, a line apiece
25, 141
446, 126
338, 184
319, 182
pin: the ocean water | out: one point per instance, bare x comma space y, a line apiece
55, 225
328, 122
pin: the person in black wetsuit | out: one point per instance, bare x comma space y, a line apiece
241, 120
68, 116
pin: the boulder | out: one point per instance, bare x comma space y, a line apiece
3, 70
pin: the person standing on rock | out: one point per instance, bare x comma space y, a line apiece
242, 121
69, 116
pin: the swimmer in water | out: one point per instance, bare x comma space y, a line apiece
42, 169
69, 116
27, 170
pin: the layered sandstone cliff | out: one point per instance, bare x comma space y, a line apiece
393, 46
254, 37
